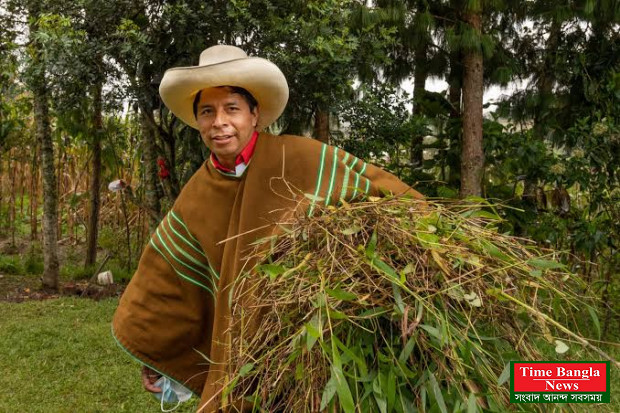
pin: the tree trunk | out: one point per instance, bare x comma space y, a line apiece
472, 154
420, 74
167, 138
455, 82
12, 210
140, 232
127, 229
170, 183
95, 181
1, 185
50, 197
455, 130
60, 168
150, 171
34, 194
22, 163
321, 125
546, 80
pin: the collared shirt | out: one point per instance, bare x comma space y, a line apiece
241, 161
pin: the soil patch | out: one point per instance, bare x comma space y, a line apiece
19, 288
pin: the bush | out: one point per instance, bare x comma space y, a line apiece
10, 265
33, 264
119, 271
76, 272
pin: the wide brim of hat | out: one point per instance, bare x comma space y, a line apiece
260, 77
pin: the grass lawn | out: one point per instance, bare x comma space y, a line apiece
59, 356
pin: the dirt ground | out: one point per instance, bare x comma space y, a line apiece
19, 288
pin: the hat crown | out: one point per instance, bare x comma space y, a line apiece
219, 54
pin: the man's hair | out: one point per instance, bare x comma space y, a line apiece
252, 103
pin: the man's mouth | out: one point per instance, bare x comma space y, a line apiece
220, 139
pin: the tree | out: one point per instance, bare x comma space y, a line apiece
318, 60
38, 86
149, 39
379, 127
98, 24
472, 158
95, 182
75, 43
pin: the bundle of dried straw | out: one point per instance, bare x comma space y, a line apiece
396, 305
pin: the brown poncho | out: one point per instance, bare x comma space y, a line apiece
174, 314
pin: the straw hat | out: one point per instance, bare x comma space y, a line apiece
226, 66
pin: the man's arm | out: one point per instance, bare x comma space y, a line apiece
156, 321
342, 176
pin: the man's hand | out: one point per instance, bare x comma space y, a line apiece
149, 377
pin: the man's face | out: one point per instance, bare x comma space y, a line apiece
225, 122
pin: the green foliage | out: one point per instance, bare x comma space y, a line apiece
378, 121
322, 75
119, 270
33, 263
10, 265
113, 241
76, 271
30, 263
12, 104
379, 127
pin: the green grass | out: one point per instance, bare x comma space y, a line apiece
59, 356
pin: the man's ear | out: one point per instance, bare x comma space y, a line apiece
256, 114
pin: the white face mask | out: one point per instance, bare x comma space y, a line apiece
171, 392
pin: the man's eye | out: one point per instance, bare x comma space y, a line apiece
205, 111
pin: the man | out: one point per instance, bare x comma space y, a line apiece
174, 316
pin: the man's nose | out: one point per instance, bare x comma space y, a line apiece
220, 118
